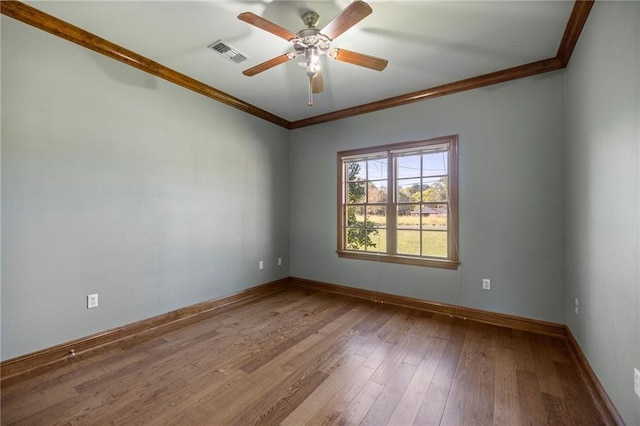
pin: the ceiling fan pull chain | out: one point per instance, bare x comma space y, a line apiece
310, 102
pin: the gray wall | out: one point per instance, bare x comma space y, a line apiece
117, 183
156, 198
511, 198
603, 198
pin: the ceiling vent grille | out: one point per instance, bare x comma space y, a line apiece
229, 52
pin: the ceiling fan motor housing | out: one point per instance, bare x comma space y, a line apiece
311, 37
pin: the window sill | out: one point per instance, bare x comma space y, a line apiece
404, 260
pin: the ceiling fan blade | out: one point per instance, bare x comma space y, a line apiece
264, 24
350, 15
360, 59
281, 59
317, 83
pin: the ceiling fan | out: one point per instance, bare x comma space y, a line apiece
311, 43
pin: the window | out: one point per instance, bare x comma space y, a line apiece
399, 203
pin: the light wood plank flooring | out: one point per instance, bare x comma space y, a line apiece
304, 357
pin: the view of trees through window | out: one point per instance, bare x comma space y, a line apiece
398, 202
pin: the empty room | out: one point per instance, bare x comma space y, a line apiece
320, 212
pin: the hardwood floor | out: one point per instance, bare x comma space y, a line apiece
305, 357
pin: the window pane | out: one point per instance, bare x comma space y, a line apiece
377, 241
356, 192
434, 243
356, 238
408, 190
411, 217
404, 210
408, 242
377, 216
434, 189
434, 164
434, 217
355, 216
377, 191
377, 169
356, 170
408, 166
366, 239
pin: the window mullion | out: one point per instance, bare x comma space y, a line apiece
421, 220
391, 204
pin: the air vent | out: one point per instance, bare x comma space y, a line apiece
229, 52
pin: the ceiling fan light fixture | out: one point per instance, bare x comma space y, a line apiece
312, 63
312, 58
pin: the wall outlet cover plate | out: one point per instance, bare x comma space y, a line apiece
92, 301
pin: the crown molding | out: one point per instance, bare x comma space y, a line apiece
38, 19
521, 71
573, 29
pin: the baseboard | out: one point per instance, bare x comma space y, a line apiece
599, 395
22, 367
504, 320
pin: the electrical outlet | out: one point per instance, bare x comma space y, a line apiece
92, 301
636, 381
575, 304
279, 261
261, 265
486, 284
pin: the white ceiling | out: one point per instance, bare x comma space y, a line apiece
427, 43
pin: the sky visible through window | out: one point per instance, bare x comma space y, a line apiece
433, 164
